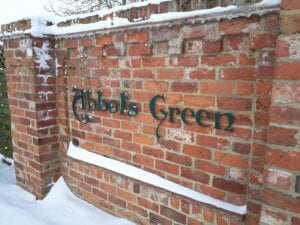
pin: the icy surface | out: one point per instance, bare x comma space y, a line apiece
149, 178
60, 207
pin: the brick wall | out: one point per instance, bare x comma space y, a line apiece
280, 196
244, 66
31, 85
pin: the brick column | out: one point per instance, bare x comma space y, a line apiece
31, 85
281, 193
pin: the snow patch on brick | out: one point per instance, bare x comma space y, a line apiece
275, 176
181, 136
44, 95
235, 173
42, 56
250, 27
271, 219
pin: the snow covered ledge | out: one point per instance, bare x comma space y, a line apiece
150, 178
105, 20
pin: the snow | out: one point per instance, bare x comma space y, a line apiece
40, 28
42, 56
149, 178
267, 3
60, 207
14, 10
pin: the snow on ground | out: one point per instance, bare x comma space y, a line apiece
60, 207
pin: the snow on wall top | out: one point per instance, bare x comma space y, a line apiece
44, 25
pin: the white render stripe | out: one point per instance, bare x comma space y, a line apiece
150, 178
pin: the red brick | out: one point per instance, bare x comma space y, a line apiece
143, 160
196, 151
210, 167
287, 71
170, 73
240, 25
249, 74
222, 220
231, 160
179, 159
295, 221
241, 104
140, 211
282, 136
71, 43
199, 31
218, 60
247, 60
286, 160
285, 115
167, 167
289, 22
208, 215
236, 43
172, 214
179, 86
290, 4
153, 62
117, 201
199, 101
267, 215
104, 40
139, 49
241, 148
87, 42
263, 41
156, 86
195, 175
138, 37
282, 49
186, 61
212, 46
245, 89
217, 87
229, 186
143, 139
155, 218
155, 152
109, 62
213, 142
142, 73
282, 201
278, 178
148, 204
202, 74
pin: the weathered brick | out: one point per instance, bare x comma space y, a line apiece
282, 136
229, 186
281, 159
172, 214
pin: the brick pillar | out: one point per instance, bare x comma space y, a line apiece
281, 193
31, 85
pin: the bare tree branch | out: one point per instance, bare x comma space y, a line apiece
71, 7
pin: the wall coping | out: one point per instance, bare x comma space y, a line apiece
41, 27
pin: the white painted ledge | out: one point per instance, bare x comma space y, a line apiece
150, 178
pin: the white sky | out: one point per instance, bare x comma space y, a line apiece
12, 10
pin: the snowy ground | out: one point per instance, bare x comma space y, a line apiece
60, 207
